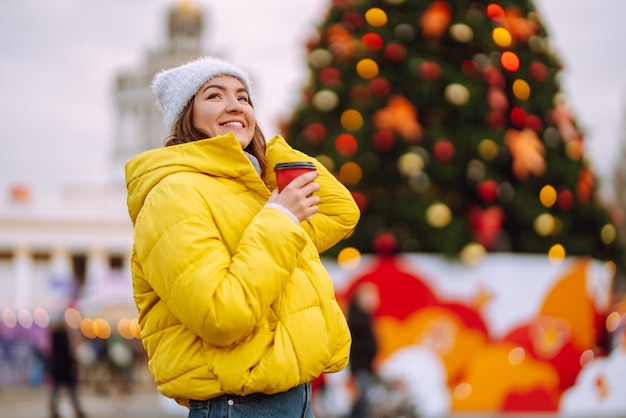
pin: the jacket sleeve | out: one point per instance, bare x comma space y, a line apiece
218, 294
338, 212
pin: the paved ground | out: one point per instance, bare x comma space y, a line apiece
32, 402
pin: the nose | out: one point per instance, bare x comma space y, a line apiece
234, 105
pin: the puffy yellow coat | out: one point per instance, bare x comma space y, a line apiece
232, 296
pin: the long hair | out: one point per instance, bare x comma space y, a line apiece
183, 131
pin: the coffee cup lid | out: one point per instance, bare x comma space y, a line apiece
294, 164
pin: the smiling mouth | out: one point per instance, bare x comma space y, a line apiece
233, 124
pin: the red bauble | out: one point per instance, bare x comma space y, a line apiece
329, 76
315, 133
494, 77
385, 243
487, 190
394, 52
353, 20
443, 150
535, 123
383, 140
497, 99
495, 119
372, 41
346, 144
565, 199
430, 71
470, 68
380, 86
538, 70
518, 117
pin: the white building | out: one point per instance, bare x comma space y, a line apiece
73, 248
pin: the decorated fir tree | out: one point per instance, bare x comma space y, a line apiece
446, 120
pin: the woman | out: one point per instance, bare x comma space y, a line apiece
237, 312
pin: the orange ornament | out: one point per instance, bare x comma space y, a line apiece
436, 19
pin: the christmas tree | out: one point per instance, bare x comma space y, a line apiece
446, 121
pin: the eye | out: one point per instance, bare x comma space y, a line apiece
244, 99
213, 96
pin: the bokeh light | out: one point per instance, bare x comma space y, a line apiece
548, 196
367, 68
9, 319
72, 318
521, 89
556, 254
501, 37
350, 173
346, 144
509, 61
438, 215
376, 17
351, 120
349, 258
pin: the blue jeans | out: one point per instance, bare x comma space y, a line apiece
294, 403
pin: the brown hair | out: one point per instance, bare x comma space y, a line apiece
183, 131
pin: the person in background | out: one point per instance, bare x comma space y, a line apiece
62, 368
237, 313
363, 304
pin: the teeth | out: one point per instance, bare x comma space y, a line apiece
238, 124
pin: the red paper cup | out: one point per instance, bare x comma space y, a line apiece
286, 172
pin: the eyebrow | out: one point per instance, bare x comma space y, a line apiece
223, 88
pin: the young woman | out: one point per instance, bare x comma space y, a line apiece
237, 312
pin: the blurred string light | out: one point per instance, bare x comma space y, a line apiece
89, 327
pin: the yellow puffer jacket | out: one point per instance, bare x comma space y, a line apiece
232, 296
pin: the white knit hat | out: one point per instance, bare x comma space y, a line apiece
175, 87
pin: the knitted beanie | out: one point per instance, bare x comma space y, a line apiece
175, 87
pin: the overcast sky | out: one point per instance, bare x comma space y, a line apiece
59, 58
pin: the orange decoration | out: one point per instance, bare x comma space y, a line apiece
346, 144
436, 19
509, 61
399, 116
527, 151
521, 29
584, 188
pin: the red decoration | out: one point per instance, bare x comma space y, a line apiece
518, 117
495, 120
494, 77
329, 76
487, 190
372, 41
565, 199
586, 183
315, 133
360, 94
385, 243
497, 99
470, 68
394, 52
534, 122
379, 86
486, 224
535, 400
346, 144
443, 150
495, 11
430, 71
353, 20
383, 140
538, 71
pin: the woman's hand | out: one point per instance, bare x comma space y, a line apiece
298, 196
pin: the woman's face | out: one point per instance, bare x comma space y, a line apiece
222, 105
